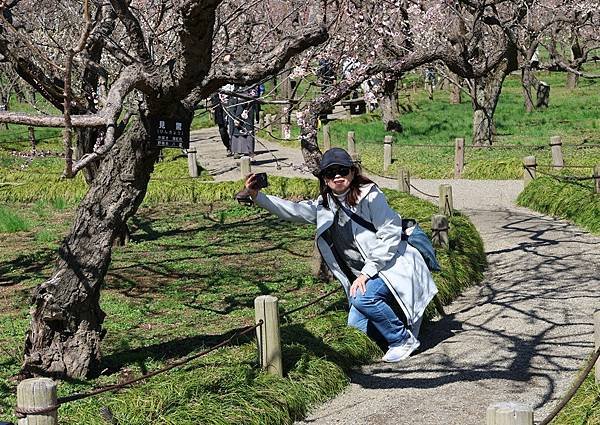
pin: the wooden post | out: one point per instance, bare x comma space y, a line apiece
192, 163
439, 230
597, 343
351, 143
387, 152
403, 180
326, 138
269, 123
32, 140
597, 178
530, 164
557, 155
37, 393
445, 202
245, 166
459, 157
269, 342
509, 414
355, 157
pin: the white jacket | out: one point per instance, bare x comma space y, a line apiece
400, 265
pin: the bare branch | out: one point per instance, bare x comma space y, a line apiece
68, 130
52, 120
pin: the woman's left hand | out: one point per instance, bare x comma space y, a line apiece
359, 283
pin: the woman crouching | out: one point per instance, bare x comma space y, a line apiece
386, 280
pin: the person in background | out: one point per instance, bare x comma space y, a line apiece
387, 282
243, 112
216, 105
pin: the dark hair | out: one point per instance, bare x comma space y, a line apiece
355, 185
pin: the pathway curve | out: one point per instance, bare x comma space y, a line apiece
520, 336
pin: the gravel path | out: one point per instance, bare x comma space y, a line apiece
520, 336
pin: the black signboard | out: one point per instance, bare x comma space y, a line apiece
170, 133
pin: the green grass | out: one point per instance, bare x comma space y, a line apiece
11, 221
574, 201
584, 407
571, 115
189, 277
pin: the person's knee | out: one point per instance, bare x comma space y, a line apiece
362, 302
357, 320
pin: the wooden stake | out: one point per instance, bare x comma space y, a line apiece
509, 414
445, 202
351, 143
459, 157
387, 152
403, 180
192, 163
37, 393
597, 178
245, 166
269, 123
557, 155
269, 340
439, 229
530, 165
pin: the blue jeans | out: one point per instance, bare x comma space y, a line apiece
371, 313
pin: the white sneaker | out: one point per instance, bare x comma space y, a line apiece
397, 353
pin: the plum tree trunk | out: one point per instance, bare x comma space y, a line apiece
527, 81
455, 90
485, 99
576, 56
389, 106
572, 80
66, 324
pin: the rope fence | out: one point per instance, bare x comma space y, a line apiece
529, 163
27, 404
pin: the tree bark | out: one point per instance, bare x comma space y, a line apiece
487, 91
572, 80
66, 325
388, 103
527, 80
455, 90
576, 56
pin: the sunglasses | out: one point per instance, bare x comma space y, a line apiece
330, 173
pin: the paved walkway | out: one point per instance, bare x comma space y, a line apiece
520, 336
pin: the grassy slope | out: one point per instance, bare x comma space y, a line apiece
574, 201
187, 279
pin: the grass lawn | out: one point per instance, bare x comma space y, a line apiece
186, 281
572, 115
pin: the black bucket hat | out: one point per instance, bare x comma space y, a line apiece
335, 156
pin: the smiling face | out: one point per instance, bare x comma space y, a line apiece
338, 178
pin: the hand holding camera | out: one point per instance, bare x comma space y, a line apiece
253, 184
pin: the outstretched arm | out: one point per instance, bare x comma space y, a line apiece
300, 212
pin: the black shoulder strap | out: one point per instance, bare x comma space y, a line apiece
406, 222
358, 219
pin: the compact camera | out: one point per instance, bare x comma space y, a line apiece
260, 180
